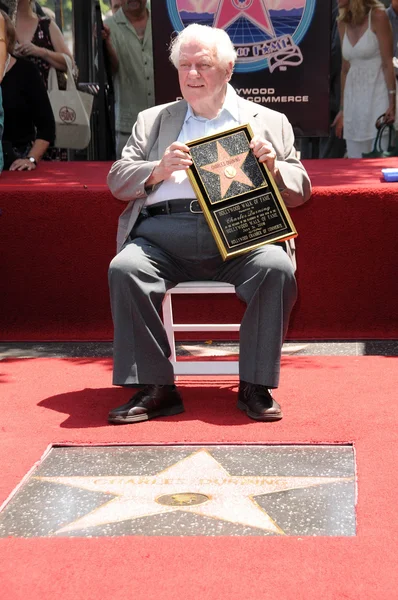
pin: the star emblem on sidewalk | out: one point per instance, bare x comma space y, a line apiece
196, 484
229, 168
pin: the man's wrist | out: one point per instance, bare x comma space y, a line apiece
280, 184
154, 179
278, 177
32, 160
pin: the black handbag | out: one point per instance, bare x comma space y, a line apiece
390, 142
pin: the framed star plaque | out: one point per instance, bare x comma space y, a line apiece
237, 194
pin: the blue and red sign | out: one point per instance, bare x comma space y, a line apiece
265, 33
283, 53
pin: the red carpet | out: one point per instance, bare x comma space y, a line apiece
58, 229
325, 399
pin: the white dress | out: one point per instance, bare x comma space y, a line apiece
365, 91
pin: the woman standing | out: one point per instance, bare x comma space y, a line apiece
29, 125
368, 87
40, 40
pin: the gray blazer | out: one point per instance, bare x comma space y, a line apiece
158, 127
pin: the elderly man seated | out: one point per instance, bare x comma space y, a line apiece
162, 243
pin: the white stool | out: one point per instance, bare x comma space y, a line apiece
192, 367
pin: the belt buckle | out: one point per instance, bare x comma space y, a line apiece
191, 208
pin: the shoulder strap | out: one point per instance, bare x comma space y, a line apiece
70, 82
53, 79
44, 25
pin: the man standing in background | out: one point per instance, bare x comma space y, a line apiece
128, 39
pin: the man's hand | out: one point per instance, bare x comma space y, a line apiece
175, 158
265, 152
106, 34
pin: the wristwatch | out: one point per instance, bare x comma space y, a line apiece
32, 160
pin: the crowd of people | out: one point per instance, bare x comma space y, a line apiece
364, 45
365, 71
32, 43
29, 126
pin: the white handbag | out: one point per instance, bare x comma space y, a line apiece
72, 111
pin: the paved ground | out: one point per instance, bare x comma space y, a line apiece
208, 348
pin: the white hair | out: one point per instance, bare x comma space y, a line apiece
211, 37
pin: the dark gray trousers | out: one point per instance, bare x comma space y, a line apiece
168, 249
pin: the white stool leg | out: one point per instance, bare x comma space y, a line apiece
192, 367
169, 324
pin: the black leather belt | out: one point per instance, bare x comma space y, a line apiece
171, 207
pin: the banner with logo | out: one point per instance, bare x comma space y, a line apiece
283, 49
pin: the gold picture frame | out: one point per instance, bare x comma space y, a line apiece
237, 194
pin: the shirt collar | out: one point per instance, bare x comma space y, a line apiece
230, 105
120, 17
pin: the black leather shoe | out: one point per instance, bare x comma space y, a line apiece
257, 402
149, 402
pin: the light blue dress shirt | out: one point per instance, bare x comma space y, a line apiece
194, 127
